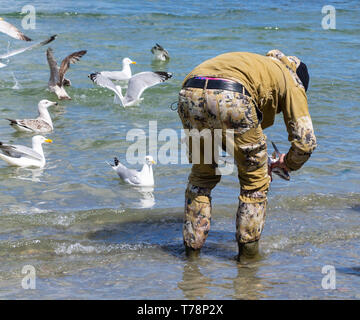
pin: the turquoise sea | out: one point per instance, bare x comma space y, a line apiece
89, 236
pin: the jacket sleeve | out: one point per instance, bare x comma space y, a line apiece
300, 129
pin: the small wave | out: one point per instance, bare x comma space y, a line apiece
78, 248
316, 201
42, 14
315, 238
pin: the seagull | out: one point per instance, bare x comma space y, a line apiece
57, 79
42, 124
17, 51
144, 178
125, 74
137, 84
12, 31
160, 53
22, 156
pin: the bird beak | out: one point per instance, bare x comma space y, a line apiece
153, 162
55, 103
48, 141
1, 19
133, 62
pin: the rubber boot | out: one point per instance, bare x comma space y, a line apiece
197, 219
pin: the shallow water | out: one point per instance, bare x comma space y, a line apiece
91, 237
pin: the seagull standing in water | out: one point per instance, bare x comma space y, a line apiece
124, 74
57, 79
137, 84
160, 53
21, 156
42, 124
144, 178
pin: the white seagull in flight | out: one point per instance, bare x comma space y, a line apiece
57, 79
124, 74
17, 51
137, 84
12, 31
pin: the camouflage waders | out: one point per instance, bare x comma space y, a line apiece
221, 109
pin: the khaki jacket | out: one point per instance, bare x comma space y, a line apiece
274, 87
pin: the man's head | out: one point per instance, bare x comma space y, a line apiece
301, 71
303, 74
294, 64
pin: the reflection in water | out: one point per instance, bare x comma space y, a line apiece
245, 285
194, 284
146, 197
28, 174
159, 65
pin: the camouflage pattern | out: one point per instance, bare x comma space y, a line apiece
251, 159
250, 217
291, 63
304, 142
273, 90
303, 132
197, 216
216, 109
255, 155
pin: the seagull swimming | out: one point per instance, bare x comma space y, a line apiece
12, 31
160, 53
17, 51
22, 156
57, 79
125, 74
144, 178
137, 84
42, 124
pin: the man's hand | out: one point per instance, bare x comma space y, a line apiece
279, 163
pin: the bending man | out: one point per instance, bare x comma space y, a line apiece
243, 92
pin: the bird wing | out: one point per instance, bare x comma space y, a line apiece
12, 31
36, 45
143, 80
104, 82
127, 174
65, 64
17, 151
31, 124
54, 69
166, 54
